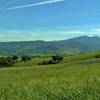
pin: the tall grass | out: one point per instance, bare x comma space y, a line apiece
60, 89
62, 81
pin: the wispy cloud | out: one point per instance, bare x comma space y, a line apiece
46, 34
33, 5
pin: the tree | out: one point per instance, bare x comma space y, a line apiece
55, 60
25, 58
97, 56
6, 62
15, 57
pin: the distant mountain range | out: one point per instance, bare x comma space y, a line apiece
71, 46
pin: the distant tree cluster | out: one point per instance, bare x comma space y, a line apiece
8, 61
26, 58
55, 60
11, 60
97, 56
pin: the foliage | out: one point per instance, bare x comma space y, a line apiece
6, 62
15, 57
55, 60
26, 58
97, 56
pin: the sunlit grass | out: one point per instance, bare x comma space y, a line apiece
65, 81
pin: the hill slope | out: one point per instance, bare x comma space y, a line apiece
75, 45
69, 80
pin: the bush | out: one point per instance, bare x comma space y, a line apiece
97, 56
15, 57
55, 60
26, 58
6, 62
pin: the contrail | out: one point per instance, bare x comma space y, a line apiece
32, 5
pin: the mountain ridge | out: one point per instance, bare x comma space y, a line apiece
69, 46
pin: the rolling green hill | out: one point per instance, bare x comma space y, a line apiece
70, 46
77, 77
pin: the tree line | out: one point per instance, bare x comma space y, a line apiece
11, 60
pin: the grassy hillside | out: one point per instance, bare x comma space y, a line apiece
75, 78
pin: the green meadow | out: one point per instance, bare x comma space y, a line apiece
77, 77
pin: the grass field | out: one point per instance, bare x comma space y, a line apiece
75, 78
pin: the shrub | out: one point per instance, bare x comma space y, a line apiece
6, 62
97, 56
15, 57
25, 58
55, 60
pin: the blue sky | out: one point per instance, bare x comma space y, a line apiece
24, 20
